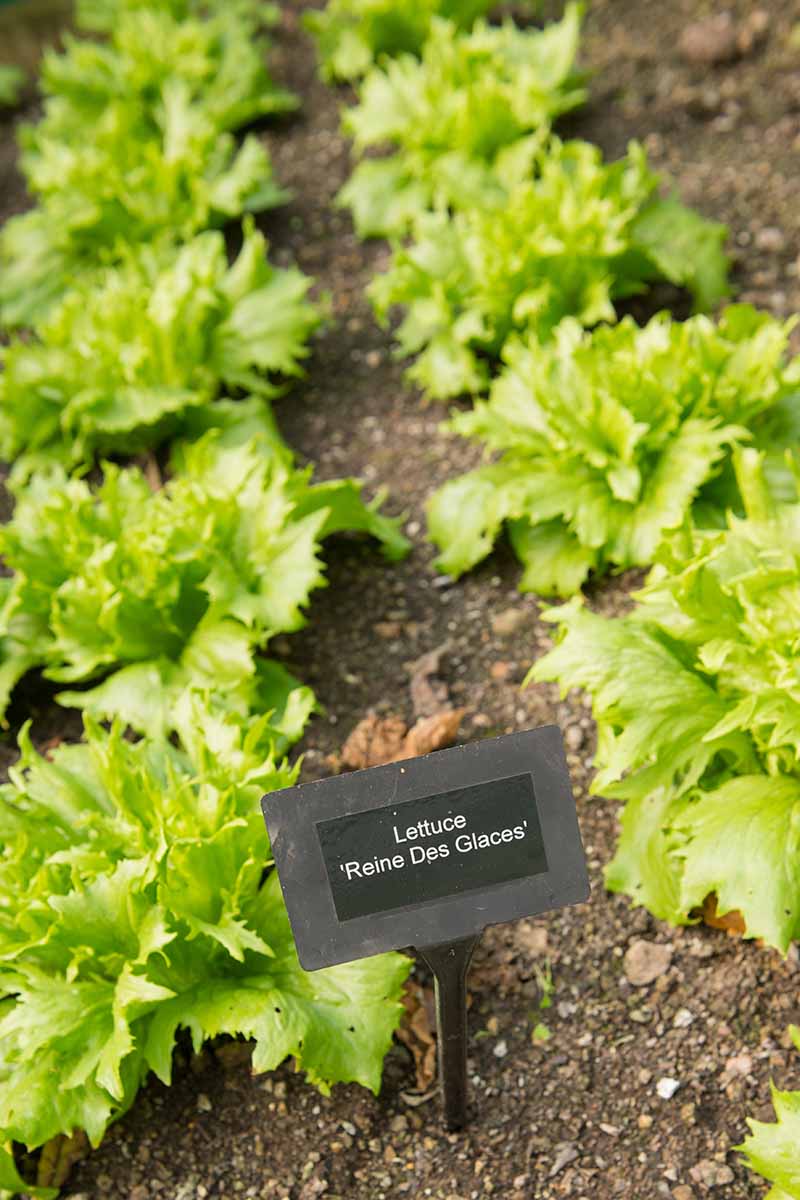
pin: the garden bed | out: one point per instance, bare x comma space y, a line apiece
578, 1114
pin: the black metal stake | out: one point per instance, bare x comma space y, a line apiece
449, 962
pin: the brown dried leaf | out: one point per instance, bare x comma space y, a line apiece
432, 733
732, 922
417, 1032
58, 1157
47, 748
375, 741
429, 694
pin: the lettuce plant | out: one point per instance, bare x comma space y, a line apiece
135, 902
697, 702
604, 440
463, 121
774, 1149
161, 99
353, 34
571, 241
11, 80
153, 592
119, 361
101, 16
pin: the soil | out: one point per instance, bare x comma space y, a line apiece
579, 1114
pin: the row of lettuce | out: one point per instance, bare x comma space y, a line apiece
517, 261
161, 536
147, 907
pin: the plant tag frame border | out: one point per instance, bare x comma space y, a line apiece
292, 815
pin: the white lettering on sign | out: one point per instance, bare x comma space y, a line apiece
464, 843
372, 866
423, 829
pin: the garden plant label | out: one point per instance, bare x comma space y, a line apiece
427, 850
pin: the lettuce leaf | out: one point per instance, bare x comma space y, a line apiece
147, 593
117, 363
161, 98
12, 1184
774, 1149
459, 121
147, 910
100, 16
12, 80
697, 702
353, 34
606, 441
562, 244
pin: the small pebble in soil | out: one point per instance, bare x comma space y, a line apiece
574, 737
505, 623
666, 1087
711, 1174
770, 239
710, 41
611, 1130
566, 1153
740, 1064
646, 961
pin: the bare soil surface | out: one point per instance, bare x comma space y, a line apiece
580, 1114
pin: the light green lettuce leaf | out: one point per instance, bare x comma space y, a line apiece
560, 244
696, 697
337, 1022
617, 663
162, 98
148, 593
12, 80
553, 559
133, 903
685, 248
742, 841
608, 441
644, 865
382, 195
11, 1184
774, 1149
353, 34
457, 118
466, 515
100, 16
117, 364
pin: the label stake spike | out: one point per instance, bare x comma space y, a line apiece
449, 962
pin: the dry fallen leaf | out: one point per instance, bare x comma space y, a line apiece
417, 1034
429, 694
732, 922
379, 740
58, 1157
432, 733
47, 748
374, 741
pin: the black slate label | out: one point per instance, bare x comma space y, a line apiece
463, 840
